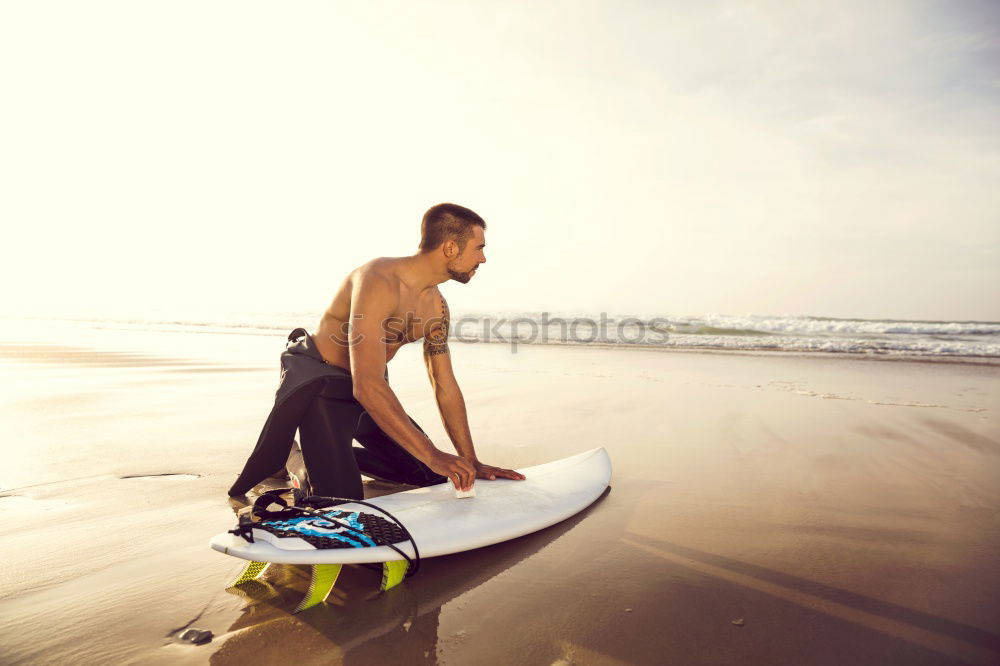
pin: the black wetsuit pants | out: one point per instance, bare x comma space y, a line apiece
328, 419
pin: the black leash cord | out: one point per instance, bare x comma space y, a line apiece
245, 528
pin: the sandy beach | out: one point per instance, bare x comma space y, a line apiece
765, 509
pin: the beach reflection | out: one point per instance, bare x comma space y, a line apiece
359, 624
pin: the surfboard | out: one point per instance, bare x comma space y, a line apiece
439, 523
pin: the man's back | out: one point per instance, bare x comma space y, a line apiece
415, 309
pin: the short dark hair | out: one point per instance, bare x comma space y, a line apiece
446, 221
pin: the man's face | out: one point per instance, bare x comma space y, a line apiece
464, 265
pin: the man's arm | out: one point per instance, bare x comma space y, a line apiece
451, 403
373, 300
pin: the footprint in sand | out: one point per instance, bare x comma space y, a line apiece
177, 476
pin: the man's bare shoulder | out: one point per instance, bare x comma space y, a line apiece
435, 310
377, 270
437, 324
373, 273
375, 280
438, 299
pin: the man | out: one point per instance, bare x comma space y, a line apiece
334, 386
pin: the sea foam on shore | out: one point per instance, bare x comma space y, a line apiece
888, 338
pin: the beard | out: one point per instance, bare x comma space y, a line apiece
460, 276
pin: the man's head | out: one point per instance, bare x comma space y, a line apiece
457, 235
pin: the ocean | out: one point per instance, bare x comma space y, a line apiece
777, 333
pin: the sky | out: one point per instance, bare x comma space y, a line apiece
687, 158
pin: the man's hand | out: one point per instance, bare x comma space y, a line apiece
459, 471
484, 471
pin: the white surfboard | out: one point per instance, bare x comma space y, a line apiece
441, 524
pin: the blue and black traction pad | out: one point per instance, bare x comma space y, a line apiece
312, 520
345, 529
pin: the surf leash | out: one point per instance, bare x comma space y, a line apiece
308, 505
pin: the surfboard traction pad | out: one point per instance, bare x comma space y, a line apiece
369, 530
374, 530
322, 579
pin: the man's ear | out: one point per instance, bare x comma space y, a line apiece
450, 248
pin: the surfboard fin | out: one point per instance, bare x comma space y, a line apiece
253, 591
392, 574
320, 584
252, 571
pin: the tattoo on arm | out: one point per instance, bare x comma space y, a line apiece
436, 340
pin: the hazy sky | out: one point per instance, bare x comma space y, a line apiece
835, 159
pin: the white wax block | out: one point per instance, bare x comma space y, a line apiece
471, 492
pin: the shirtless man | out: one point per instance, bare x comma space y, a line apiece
392, 301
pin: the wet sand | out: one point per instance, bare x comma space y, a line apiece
764, 509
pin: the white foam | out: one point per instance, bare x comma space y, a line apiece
712, 331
